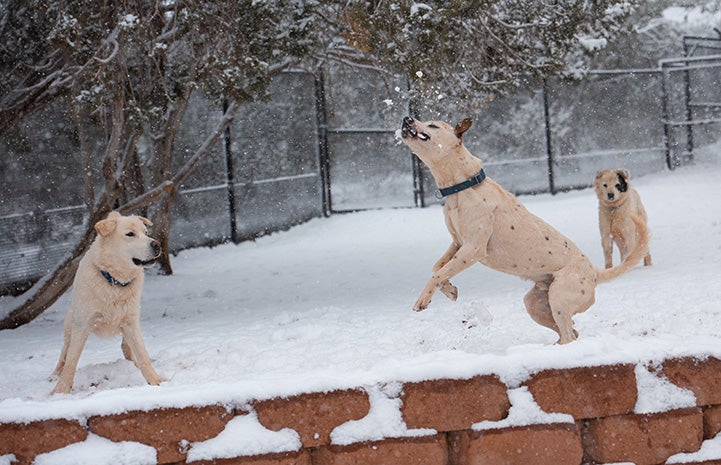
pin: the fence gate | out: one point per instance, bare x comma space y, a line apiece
691, 98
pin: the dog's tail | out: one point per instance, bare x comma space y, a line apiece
640, 251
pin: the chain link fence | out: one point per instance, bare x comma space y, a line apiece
326, 143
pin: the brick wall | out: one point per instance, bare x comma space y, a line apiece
598, 402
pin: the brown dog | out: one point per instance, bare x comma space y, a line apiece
105, 299
489, 225
617, 202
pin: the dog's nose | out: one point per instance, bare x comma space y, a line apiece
407, 121
611, 195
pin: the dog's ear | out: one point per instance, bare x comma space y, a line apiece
597, 179
107, 226
146, 221
623, 177
462, 127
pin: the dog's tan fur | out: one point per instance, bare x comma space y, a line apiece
488, 225
122, 249
617, 202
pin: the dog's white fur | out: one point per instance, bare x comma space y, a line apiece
489, 225
617, 201
122, 249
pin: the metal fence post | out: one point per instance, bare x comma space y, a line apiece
419, 181
549, 145
230, 180
687, 103
664, 118
322, 136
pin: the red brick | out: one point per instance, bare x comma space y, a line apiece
643, 439
454, 404
164, 429
543, 444
288, 458
711, 421
313, 416
701, 376
427, 450
26, 440
586, 392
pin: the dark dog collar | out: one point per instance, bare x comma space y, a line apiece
477, 179
113, 281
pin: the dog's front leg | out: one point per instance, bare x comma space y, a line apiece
604, 225
131, 336
448, 289
78, 337
66, 344
465, 257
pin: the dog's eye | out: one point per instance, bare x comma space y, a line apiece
605, 185
433, 126
130, 234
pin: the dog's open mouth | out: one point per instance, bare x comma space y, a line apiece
145, 263
409, 130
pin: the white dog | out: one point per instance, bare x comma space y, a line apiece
105, 299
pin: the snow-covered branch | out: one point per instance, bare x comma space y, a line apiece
112, 54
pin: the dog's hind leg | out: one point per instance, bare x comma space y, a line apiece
537, 306
127, 353
572, 291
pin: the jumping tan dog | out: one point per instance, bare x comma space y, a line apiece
617, 202
489, 225
105, 299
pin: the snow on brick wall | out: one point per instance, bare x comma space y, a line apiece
666, 413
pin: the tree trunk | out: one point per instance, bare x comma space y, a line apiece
48, 290
161, 230
163, 136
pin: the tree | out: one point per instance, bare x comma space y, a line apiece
656, 31
131, 67
473, 51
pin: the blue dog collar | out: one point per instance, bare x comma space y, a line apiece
113, 281
477, 179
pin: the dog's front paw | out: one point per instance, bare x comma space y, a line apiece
449, 290
62, 388
156, 380
565, 340
421, 304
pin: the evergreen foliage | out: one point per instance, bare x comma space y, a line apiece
475, 50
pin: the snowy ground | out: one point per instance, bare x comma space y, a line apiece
328, 305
